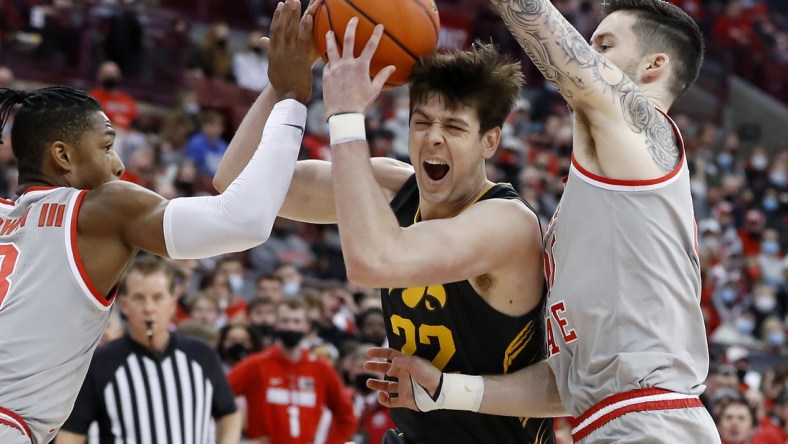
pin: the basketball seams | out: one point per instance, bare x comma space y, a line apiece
400, 50
385, 33
429, 16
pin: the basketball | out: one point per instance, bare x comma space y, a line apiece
410, 31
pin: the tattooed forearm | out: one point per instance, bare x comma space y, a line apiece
581, 74
556, 48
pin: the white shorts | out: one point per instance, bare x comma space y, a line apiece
693, 425
646, 416
12, 435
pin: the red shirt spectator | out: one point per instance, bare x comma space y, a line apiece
120, 107
287, 387
733, 29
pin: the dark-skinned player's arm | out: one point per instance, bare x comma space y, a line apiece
528, 392
602, 96
310, 197
240, 217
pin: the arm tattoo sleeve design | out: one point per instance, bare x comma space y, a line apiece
566, 59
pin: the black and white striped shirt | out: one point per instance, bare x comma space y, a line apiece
139, 398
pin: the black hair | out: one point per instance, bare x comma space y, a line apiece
44, 116
663, 27
481, 78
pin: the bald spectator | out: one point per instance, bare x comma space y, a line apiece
120, 107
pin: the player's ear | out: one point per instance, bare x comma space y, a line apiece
61, 154
656, 66
490, 141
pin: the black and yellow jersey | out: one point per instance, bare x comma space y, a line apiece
452, 325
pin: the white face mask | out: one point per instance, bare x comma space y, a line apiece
776, 338
759, 162
765, 304
291, 288
236, 282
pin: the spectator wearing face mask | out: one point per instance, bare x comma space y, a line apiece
250, 66
773, 335
287, 387
770, 259
120, 107
261, 314
236, 342
213, 58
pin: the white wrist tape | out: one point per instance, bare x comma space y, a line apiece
346, 128
243, 215
455, 392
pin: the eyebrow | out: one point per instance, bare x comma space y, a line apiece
600, 36
110, 132
453, 120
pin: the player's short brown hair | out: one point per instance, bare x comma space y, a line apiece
664, 27
481, 78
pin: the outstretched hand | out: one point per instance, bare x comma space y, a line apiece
346, 83
407, 370
292, 51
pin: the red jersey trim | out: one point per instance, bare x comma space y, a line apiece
105, 301
618, 405
639, 183
13, 420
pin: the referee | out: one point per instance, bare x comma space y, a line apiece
153, 386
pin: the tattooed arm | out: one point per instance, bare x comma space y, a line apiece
607, 102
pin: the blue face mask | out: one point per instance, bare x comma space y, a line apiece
770, 247
728, 295
776, 338
770, 203
725, 160
745, 325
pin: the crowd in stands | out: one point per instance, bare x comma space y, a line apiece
740, 193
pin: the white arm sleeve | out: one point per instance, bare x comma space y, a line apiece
242, 216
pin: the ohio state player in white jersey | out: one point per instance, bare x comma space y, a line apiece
628, 353
66, 240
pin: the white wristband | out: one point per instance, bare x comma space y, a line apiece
456, 392
346, 128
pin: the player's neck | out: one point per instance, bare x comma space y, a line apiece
37, 180
443, 210
658, 97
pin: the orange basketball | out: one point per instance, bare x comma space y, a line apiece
410, 31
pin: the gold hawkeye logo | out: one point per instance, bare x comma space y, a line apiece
434, 297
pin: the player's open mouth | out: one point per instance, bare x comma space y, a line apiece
435, 169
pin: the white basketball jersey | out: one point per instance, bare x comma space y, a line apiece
623, 309
51, 317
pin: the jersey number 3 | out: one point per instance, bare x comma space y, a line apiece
8, 257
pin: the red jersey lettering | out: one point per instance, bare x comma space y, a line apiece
556, 309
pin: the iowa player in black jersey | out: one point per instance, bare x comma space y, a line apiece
457, 256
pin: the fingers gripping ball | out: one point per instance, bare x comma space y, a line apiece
410, 31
